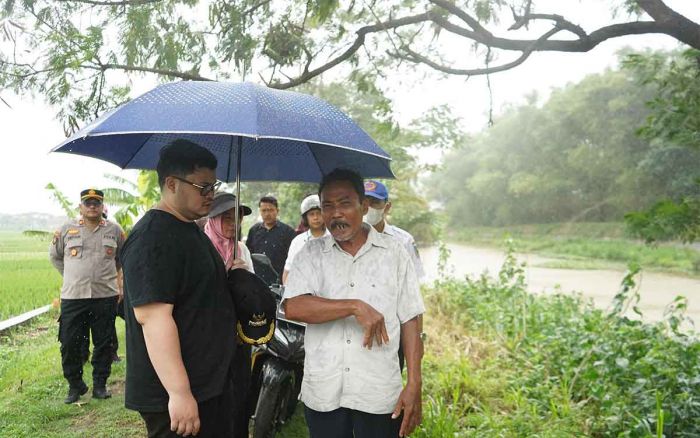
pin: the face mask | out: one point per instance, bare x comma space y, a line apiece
374, 215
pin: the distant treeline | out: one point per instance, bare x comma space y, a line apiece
575, 157
30, 221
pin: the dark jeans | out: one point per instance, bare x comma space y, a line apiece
241, 380
214, 416
78, 318
349, 423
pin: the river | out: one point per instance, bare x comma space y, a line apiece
656, 290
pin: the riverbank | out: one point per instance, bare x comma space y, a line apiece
656, 290
586, 246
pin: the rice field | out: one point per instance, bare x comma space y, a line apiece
27, 278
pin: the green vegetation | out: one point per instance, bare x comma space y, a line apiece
575, 157
499, 362
28, 278
32, 390
587, 246
503, 362
674, 119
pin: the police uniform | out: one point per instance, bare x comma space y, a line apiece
87, 260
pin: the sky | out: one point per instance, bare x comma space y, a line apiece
29, 128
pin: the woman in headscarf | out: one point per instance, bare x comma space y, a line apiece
221, 229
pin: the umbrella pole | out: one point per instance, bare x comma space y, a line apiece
237, 215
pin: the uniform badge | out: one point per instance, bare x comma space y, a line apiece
73, 231
258, 320
110, 251
73, 252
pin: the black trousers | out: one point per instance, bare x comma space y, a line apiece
241, 381
349, 423
115, 340
214, 417
78, 318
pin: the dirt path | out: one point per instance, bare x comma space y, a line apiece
657, 290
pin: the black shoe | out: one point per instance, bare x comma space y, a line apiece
74, 393
101, 392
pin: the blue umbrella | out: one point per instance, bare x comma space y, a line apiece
256, 133
276, 135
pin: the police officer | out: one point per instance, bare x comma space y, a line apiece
84, 252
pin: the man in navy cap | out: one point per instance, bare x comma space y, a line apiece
379, 208
85, 252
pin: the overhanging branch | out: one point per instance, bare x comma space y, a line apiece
418, 58
359, 41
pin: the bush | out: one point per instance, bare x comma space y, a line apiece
606, 374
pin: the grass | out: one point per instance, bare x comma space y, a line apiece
28, 278
587, 246
32, 390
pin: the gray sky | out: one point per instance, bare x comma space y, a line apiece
30, 129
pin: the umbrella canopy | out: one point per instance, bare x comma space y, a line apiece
273, 135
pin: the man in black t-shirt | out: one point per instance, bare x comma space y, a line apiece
180, 318
271, 236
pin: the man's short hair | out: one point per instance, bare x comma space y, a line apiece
344, 175
268, 200
182, 157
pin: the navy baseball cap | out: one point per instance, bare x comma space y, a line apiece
377, 190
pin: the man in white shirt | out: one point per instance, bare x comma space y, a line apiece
313, 219
357, 290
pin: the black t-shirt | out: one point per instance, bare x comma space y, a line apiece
274, 243
170, 261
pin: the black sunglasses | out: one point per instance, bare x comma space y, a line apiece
204, 190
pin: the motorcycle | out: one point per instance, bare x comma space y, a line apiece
277, 367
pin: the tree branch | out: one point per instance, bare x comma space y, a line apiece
681, 27
560, 21
359, 41
112, 3
578, 45
159, 71
418, 58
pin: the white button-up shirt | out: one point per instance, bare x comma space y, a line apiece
338, 371
410, 244
297, 244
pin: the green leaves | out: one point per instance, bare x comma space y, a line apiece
68, 207
565, 368
675, 110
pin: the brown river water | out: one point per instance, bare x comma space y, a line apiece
656, 290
